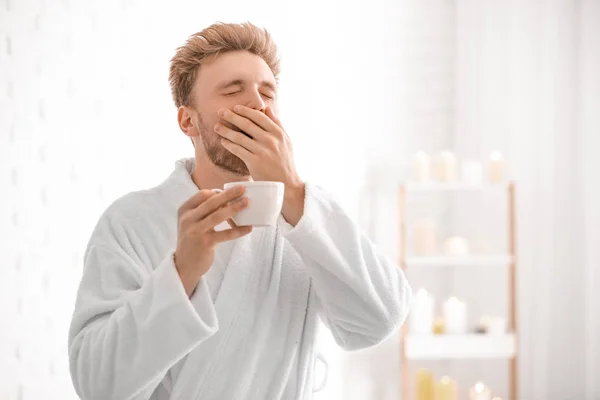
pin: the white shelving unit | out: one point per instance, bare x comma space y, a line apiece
443, 186
467, 261
470, 346
448, 347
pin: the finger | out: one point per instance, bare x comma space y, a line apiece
223, 214
196, 200
242, 123
214, 202
258, 117
238, 150
237, 138
231, 223
230, 234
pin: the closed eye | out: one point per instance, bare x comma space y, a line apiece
233, 93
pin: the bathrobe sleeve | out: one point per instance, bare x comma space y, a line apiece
131, 325
362, 296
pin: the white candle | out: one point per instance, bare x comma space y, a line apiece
472, 172
456, 246
424, 237
421, 313
484, 321
421, 167
455, 316
496, 167
446, 170
479, 392
496, 326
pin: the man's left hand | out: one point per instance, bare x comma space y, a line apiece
266, 149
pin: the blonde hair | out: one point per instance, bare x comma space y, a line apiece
217, 38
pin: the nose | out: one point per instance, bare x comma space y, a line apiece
255, 100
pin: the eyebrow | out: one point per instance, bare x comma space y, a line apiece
241, 82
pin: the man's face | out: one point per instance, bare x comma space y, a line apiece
222, 82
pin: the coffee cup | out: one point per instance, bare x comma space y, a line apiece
265, 202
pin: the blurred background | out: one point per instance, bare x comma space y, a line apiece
424, 118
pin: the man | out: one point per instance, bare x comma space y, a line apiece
175, 303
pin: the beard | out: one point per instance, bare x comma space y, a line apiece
217, 154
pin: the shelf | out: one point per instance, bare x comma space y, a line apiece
470, 346
474, 260
452, 186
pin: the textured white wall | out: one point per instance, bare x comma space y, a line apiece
86, 116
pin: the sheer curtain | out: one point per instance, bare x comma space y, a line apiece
528, 84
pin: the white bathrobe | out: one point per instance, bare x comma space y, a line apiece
136, 335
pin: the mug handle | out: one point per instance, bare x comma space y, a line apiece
323, 382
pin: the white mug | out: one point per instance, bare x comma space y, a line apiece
323, 382
265, 202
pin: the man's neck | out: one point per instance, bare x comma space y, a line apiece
208, 176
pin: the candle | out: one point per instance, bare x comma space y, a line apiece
482, 327
496, 326
456, 246
438, 326
446, 169
472, 172
424, 237
455, 316
421, 313
479, 392
421, 166
496, 167
424, 385
445, 389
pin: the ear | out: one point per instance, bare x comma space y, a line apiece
186, 123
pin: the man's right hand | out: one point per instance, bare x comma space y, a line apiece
196, 236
